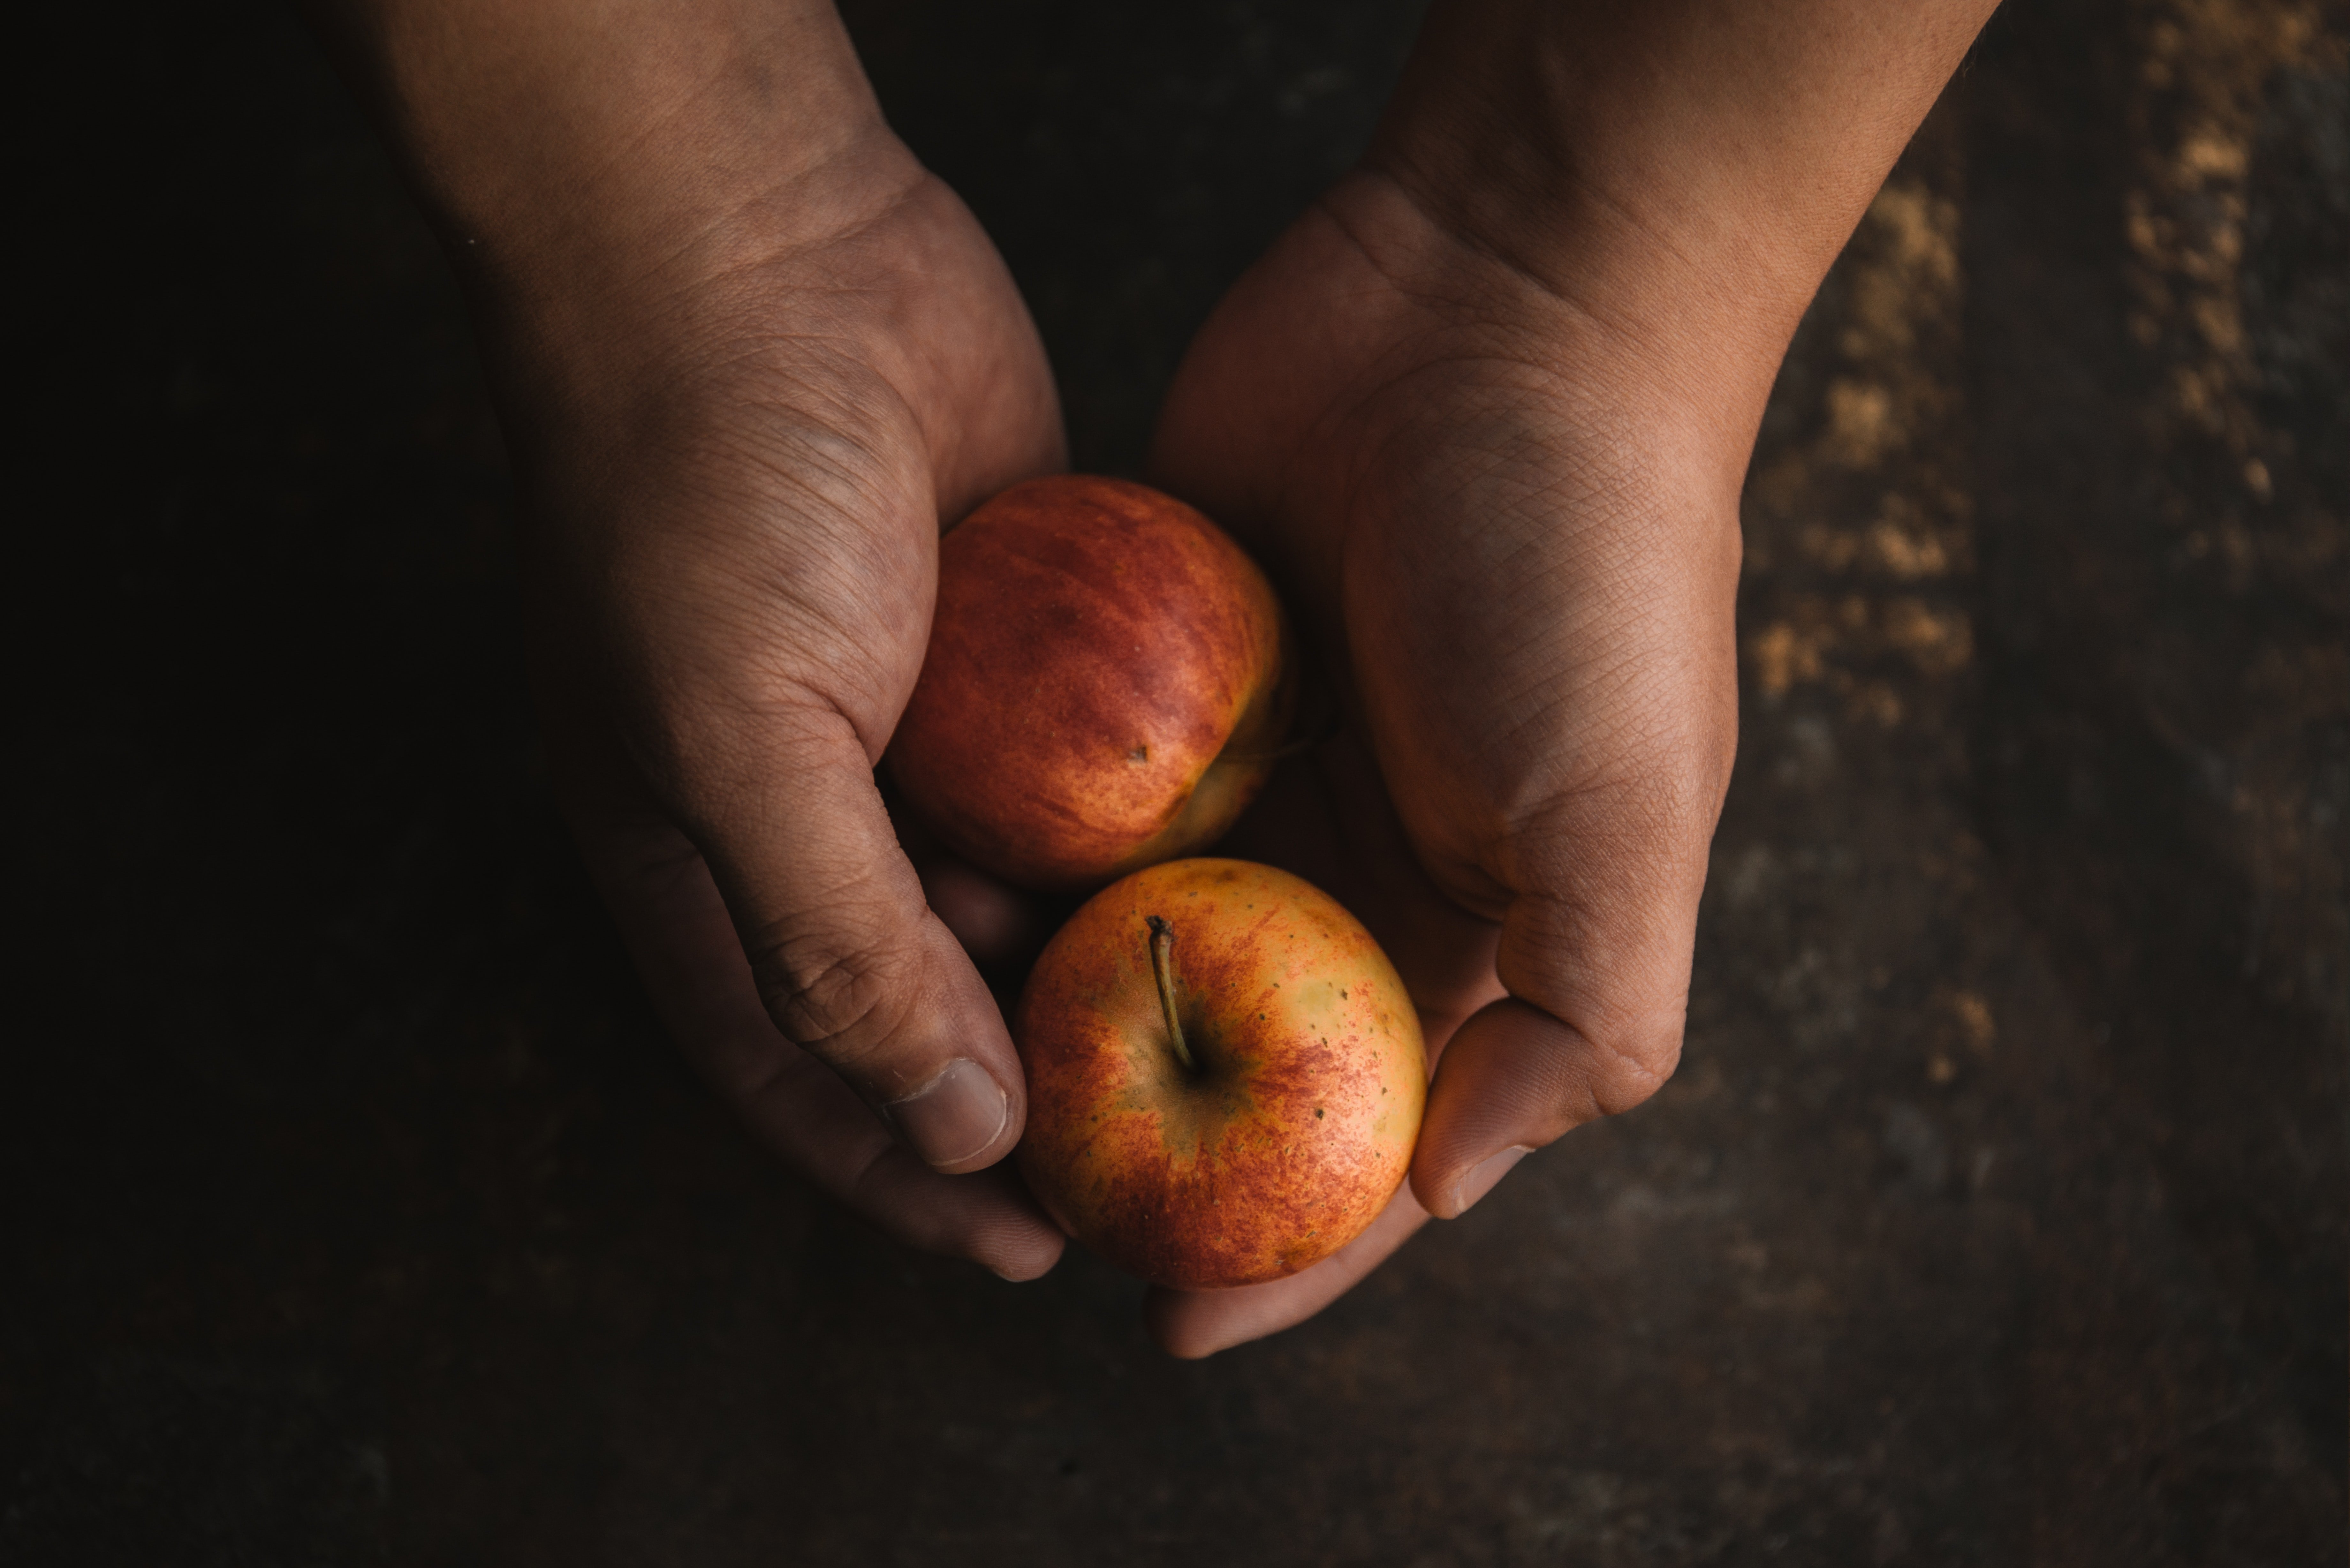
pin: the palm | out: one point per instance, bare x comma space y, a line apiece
1487, 545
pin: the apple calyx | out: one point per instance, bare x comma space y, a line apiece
1162, 969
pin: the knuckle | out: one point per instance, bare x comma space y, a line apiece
1629, 1080
1630, 1065
839, 1000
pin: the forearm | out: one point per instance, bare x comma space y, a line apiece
1687, 169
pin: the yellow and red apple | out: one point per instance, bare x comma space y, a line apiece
1105, 685
1225, 1074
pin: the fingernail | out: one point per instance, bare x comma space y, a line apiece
1482, 1177
954, 1116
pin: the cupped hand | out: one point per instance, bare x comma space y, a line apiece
1508, 525
737, 445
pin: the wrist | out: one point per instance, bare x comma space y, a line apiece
1685, 172
624, 151
662, 210
1576, 306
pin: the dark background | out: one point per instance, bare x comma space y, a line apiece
355, 1212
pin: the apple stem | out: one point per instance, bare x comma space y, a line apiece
1162, 966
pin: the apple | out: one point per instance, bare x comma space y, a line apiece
1225, 1075
1105, 685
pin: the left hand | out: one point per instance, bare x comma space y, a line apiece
1509, 538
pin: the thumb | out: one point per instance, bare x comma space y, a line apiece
852, 965
1598, 997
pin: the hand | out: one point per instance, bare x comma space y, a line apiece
732, 577
1484, 412
747, 355
1514, 550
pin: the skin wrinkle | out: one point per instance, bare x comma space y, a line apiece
1607, 722
845, 135
1585, 986
843, 955
795, 594
852, 891
627, 153
774, 342
854, 940
749, 684
1502, 850
926, 347
878, 204
1543, 383
1423, 294
1504, 255
1624, 602
779, 779
675, 284
845, 989
1520, 739
749, 276
858, 993
799, 606
768, 588
771, 745
1503, 408
1665, 87
1584, 909
765, 345
832, 456
1527, 586
737, 436
1354, 474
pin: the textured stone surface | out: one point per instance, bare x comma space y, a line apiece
356, 1213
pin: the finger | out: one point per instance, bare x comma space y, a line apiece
807, 1114
679, 932
1592, 1027
1196, 1324
845, 951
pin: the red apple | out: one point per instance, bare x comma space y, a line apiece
1225, 1075
1105, 684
